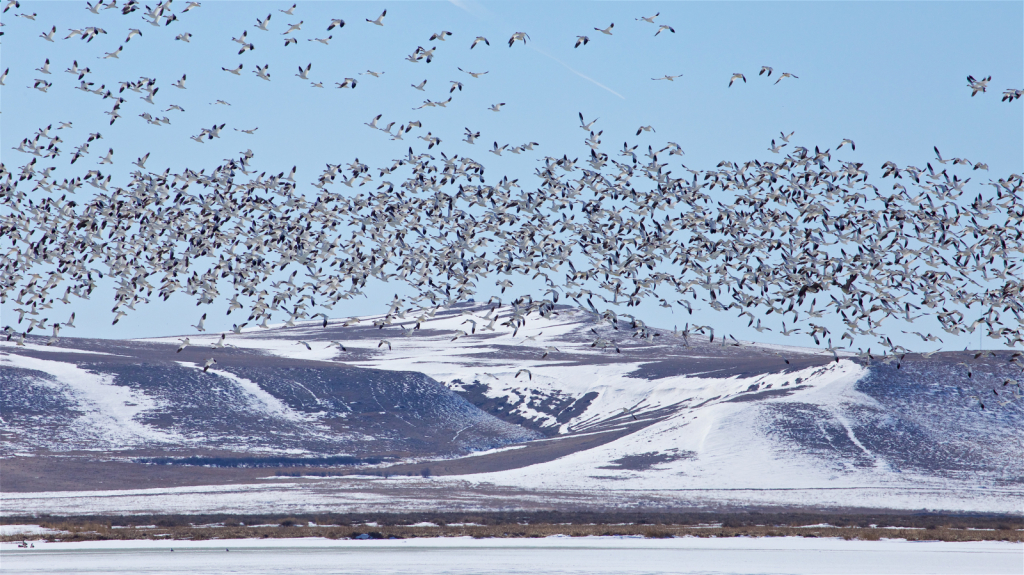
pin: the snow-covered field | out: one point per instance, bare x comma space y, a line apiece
552, 555
468, 493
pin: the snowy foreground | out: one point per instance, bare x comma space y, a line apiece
560, 555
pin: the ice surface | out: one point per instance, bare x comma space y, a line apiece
553, 555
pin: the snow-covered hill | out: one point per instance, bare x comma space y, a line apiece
566, 402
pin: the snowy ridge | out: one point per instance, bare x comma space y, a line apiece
494, 358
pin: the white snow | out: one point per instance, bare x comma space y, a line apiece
557, 555
27, 530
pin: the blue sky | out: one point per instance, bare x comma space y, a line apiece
888, 75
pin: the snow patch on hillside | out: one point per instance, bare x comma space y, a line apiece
109, 410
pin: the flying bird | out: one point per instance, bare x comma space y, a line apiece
521, 36
785, 75
380, 19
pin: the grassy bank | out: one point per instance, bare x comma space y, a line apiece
871, 527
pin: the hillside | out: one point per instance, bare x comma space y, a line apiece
608, 416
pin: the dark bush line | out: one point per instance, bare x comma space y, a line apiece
261, 462
518, 518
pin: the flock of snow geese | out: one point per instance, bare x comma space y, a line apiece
799, 237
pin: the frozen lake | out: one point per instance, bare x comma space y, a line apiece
561, 555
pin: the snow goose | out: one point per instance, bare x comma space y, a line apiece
586, 126
380, 19
521, 36
786, 75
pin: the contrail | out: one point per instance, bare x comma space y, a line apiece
476, 9
580, 74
